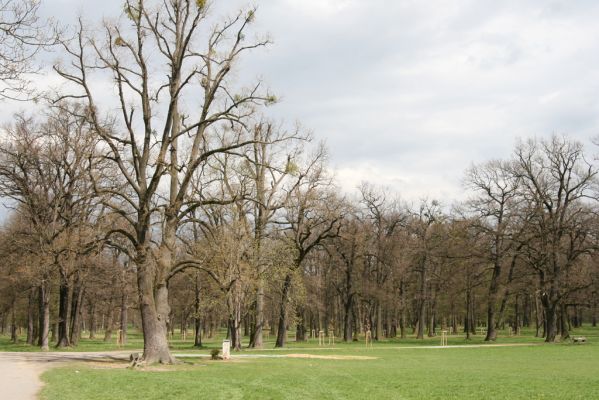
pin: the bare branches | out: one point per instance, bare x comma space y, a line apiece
22, 37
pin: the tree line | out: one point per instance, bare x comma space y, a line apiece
178, 203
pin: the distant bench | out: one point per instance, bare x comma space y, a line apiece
580, 339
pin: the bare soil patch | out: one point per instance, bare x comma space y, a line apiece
330, 357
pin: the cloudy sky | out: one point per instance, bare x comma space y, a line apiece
408, 94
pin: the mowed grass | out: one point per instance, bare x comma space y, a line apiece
540, 371
135, 342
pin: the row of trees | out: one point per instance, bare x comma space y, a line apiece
182, 201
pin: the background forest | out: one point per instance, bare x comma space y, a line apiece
181, 205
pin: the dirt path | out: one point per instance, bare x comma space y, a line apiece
20, 372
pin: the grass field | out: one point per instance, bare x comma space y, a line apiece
395, 371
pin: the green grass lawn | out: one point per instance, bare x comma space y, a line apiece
545, 371
135, 342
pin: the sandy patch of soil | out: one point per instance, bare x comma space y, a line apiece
330, 357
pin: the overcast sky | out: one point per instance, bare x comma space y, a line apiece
408, 94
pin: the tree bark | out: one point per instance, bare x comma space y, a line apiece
31, 317
124, 314
422, 296
347, 318
13, 322
282, 329
154, 308
63, 311
197, 340
92, 320
44, 300
76, 314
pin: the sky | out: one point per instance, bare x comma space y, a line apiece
408, 94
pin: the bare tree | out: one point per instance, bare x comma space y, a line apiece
556, 179
22, 36
496, 190
312, 213
166, 128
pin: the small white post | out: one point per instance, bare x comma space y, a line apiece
226, 349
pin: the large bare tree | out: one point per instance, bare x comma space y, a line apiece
171, 72
556, 180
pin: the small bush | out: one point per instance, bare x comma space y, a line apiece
214, 354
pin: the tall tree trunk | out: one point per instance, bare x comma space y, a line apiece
550, 322
197, 340
109, 323
282, 329
124, 314
300, 332
421, 315
517, 313
538, 317
76, 314
92, 320
44, 301
432, 313
234, 321
491, 304
347, 318
13, 321
31, 317
153, 303
64, 293
257, 339
468, 319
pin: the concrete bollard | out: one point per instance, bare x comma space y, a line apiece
226, 349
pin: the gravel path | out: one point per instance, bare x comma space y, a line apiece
20, 372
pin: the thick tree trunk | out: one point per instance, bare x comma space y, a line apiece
257, 340
347, 319
154, 308
550, 322
282, 329
64, 292
491, 303
234, 321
